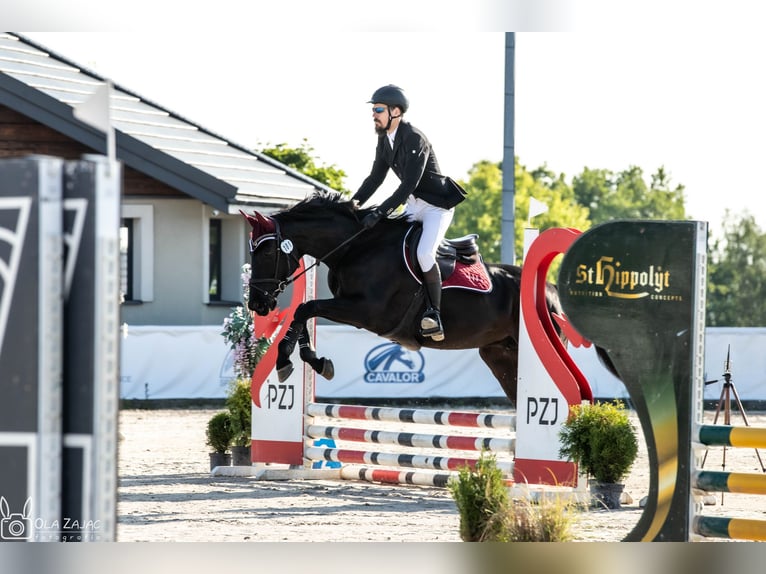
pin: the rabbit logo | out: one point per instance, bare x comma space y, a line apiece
14, 525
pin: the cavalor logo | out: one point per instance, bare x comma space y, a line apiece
390, 363
608, 277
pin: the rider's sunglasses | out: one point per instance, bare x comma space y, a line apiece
378, 109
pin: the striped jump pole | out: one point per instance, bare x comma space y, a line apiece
730, 528
491, 444
734, 482
423, 461
438, 479
421, 469
725, 435
420, 416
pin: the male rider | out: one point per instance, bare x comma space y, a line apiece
429, 197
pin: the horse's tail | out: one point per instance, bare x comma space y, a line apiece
553, 303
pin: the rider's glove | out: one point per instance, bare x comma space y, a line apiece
371, 219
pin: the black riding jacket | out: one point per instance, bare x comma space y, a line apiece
413, 161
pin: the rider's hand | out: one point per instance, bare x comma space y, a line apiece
371, 219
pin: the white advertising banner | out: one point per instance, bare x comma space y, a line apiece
161, 362
369, 366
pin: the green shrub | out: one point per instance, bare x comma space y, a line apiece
219, 435
480, 494
487, 513
239, 403
601, 440
543, 520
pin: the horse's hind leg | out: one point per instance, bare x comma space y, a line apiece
502, 358
323, 366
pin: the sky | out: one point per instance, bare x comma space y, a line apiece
691, 102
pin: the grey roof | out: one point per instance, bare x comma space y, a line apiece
151, 139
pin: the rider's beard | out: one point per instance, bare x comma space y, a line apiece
379, 129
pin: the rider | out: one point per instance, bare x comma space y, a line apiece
430, 197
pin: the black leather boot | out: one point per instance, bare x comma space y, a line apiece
431, 322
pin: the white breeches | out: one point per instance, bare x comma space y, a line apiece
435, 221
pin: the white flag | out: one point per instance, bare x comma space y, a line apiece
95, 110
536, 207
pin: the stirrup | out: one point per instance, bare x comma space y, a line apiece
431, 325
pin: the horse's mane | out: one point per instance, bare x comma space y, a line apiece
319, 201
332, 202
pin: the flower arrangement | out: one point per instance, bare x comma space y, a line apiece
238, 330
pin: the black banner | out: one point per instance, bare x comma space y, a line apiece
636, 288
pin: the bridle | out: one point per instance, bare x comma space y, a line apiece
285, 246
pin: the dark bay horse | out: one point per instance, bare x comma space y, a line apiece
373, 290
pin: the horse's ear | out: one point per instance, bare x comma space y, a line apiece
260, 224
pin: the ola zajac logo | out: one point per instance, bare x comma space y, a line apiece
609, 278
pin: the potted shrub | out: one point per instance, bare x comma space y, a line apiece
247, 349
240, 407
602, 441
219, 437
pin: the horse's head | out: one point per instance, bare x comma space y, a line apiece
272, 261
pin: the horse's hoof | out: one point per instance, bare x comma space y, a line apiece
328, 369
284, 372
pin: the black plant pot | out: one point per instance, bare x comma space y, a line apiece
606, 494
240, 456
219, 459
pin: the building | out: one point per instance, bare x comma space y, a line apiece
183, 240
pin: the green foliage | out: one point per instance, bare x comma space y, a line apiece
303, 160
239, 403
625, 195
481, 212
736, 295
600, 439
487, 513
219, 434
480, 494
543, 520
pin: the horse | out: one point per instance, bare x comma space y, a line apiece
373, 289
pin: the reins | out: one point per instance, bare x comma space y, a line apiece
322, 259
282, 285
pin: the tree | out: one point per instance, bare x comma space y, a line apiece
303, 160
481, 212
625, 195
736, 294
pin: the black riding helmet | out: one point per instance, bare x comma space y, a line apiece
390, 95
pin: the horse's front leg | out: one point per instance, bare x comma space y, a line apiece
286, 348
297, 333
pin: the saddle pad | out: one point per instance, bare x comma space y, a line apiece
472, 277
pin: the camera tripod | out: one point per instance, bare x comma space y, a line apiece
724, 402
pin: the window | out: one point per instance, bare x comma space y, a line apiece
127, 249
137, 253
224, 252
214, 261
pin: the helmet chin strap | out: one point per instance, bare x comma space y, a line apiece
391, 117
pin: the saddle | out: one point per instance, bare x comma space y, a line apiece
461, 267
459, 261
